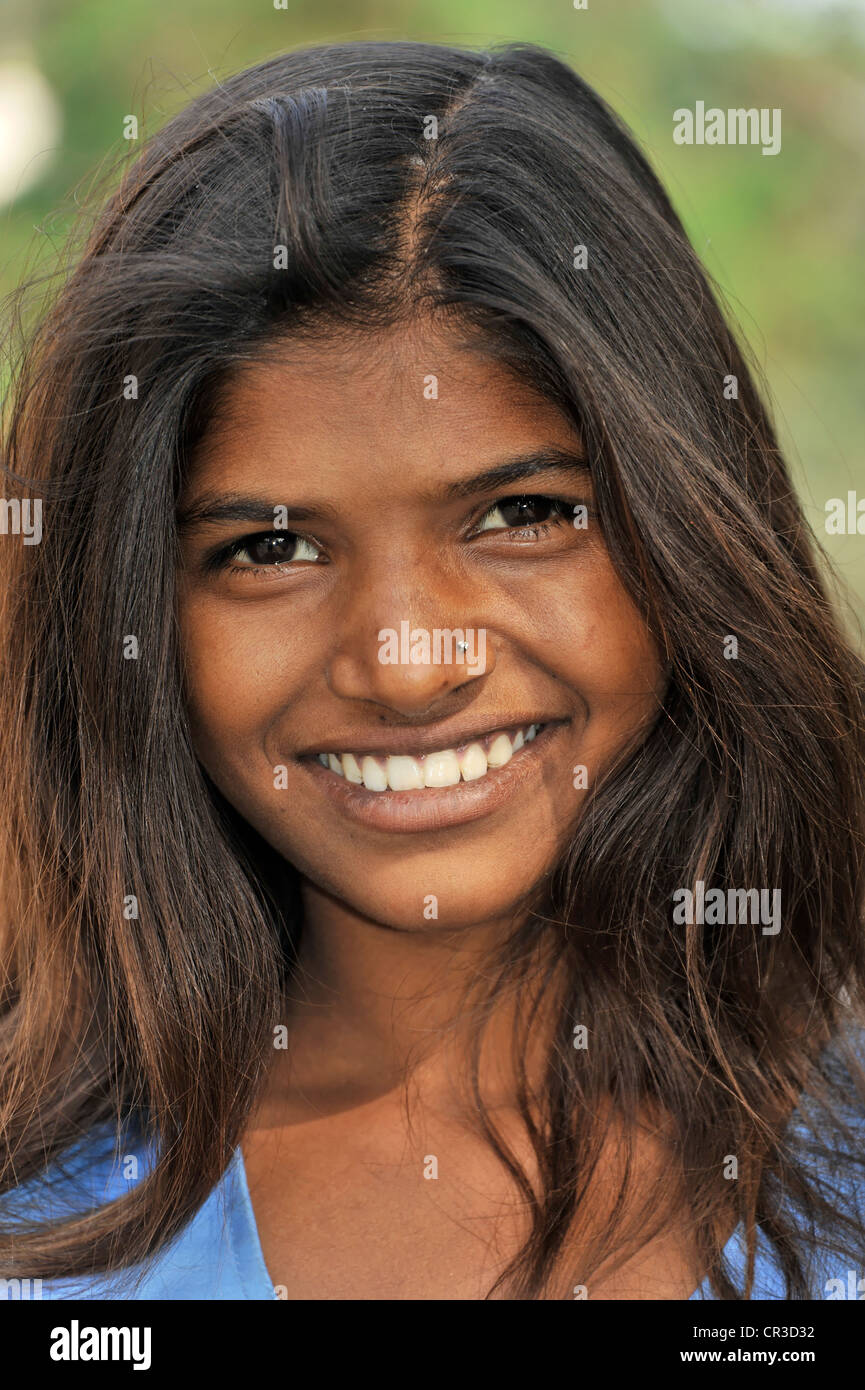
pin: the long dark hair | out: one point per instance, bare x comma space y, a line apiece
751, 776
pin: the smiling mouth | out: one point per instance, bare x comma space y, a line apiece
398, 772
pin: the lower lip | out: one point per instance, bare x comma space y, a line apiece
436, 808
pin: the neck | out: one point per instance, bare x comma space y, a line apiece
371, 1007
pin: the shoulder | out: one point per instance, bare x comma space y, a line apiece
211, 1258
828, 1147
96, 1169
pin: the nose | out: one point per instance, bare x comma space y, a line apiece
408, 654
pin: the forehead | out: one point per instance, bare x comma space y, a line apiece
390, 406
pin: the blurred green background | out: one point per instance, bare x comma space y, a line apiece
784, 236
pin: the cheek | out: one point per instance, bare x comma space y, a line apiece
619, 657
599, 644
581, 625
235, 676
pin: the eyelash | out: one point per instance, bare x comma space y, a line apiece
539, 529
220, 559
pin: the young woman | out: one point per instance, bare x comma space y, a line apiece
432, 767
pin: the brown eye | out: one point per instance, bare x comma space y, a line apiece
272, 548
513, 512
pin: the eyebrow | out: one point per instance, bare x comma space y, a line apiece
549, 460
211, 508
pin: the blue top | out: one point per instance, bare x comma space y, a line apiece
218, 1254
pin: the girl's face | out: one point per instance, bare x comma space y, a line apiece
353, 508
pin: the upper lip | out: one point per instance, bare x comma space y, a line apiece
408, 741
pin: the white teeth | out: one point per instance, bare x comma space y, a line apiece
473, 762
351, 768
500, 752
404, 774
401, 773
441, 769
374, 775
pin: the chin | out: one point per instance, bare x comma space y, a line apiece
443, 900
